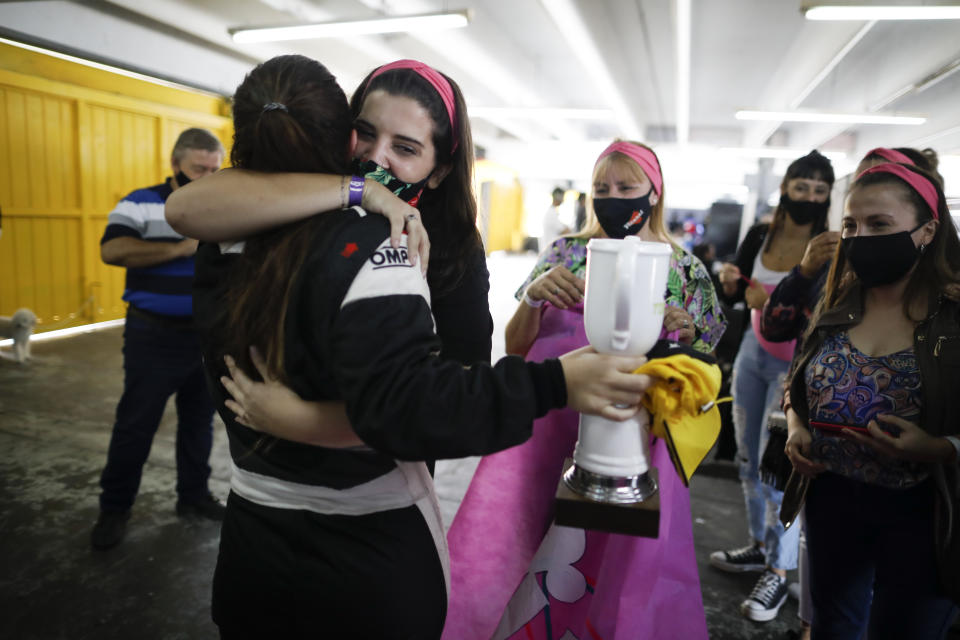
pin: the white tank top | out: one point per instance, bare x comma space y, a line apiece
766, 276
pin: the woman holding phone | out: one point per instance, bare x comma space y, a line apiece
873, 416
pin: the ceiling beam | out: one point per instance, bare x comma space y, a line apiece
574, 30
814, 53
474, 59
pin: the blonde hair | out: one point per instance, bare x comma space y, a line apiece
656, 223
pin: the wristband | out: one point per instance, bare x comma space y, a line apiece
356, 191
536, 304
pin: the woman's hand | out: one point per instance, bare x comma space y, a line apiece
270, 407
260, 405
676, 319
819, 250
604, 385
910, 442
797, 448
378, 199
728, 275
755, 295
558, 286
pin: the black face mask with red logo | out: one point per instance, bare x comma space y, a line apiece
622, 217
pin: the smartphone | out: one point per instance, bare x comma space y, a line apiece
836, 427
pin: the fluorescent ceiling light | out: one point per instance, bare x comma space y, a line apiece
889, 12
536, 113
819, 116
392, 24
777, 152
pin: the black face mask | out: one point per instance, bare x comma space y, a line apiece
409, 192
881, 260
803, 211
181, 178
622, 217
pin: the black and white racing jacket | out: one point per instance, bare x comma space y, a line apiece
359, 330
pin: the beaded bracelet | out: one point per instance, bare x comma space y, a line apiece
343, 192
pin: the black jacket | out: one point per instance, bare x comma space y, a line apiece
359, 329
936, 342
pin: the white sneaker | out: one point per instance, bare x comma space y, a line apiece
767, 597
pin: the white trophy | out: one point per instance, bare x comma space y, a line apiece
623, 315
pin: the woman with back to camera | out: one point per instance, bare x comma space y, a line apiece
765, 256
873, 419
409, 153
315, 539
502, 537
405, 142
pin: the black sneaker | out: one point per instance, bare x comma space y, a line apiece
206, 507
749, 558
109, 529
767, 597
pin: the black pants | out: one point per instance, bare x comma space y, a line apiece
157, 363
873, 566
284, 573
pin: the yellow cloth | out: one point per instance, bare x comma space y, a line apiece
682, 406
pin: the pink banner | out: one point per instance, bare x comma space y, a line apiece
515, 575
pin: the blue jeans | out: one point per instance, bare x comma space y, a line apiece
757, 389
869, 544
157, 363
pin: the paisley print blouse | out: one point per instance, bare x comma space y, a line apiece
846, 386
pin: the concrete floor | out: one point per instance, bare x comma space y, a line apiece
55, 419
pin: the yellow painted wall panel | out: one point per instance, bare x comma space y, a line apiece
68, 152
8, 284
6, 177
35, 152
18, 60
17, 139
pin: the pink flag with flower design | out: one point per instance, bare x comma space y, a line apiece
515, 575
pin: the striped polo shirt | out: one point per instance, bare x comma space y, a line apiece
164, 288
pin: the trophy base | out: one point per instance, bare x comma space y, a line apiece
610, 489
633, 518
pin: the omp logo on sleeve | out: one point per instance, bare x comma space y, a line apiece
386, 256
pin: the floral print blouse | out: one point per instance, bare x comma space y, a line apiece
689, 286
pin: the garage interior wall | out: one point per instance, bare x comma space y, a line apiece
74, 140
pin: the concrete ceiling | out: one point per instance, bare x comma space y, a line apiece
619, 55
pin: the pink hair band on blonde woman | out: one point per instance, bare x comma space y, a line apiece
642, 156
436, 80
917, 182
890, 154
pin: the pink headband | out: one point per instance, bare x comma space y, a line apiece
890, 154
917, 182
436, 79
642, 156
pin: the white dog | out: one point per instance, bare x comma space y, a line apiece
20, 328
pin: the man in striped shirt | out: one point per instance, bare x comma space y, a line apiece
161, 350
